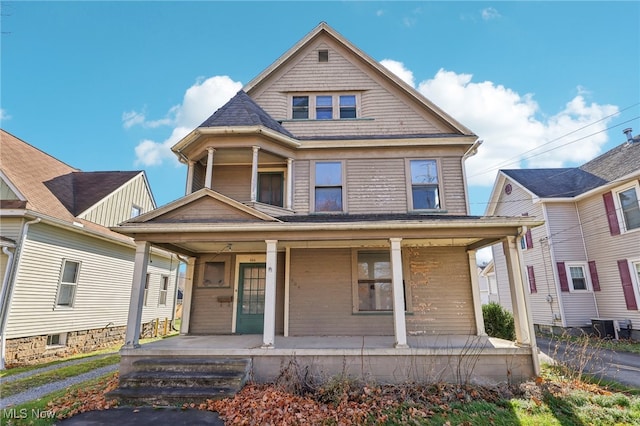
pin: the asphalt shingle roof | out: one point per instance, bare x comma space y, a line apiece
241, 110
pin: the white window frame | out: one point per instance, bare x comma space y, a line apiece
147, 285
74, 284
312, 187
135, 210
164, 290
586, 273
634, 264
62, 341
335, 105
409, 184
616, 202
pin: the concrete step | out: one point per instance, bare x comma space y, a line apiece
186, 379
192, 364
169, 395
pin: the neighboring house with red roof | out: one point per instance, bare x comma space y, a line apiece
66, 276
584, 263
328, 198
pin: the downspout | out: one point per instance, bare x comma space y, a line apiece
532, 334
470, 153
7, 287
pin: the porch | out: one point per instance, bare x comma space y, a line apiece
428, 358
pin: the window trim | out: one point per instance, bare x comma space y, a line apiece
272, 171
226, 259
616, 202
164, 279
355, 301
335, 106
312, 187
135, 207
74, 284
586, 274
62, 341
409, 185
632, 264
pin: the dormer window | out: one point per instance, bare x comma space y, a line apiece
324, 107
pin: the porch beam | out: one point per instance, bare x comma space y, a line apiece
399, 324
134, 320
289, 199
187, 297
475, 292
254, 174
269, 330
482, 243
208, 180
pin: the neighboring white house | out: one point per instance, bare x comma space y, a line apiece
66, 278
584, 264
488, 284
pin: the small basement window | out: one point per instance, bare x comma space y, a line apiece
56, 340
323, 56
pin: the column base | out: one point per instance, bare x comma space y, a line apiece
401, 346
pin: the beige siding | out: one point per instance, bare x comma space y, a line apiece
5, 191
321, 297
384, 110
206, 208
565, 232
233, 181
606, 249
453, 186
116, 207
441, 291
376, 186
301, 182
579, 308
199, 173
11, 227
103, 290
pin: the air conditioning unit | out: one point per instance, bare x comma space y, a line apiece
605, 328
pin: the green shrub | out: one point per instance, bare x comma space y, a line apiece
498, 322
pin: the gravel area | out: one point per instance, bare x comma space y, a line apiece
35, 371
43, 390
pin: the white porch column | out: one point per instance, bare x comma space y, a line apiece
287, 284
289, 199
254, 174
187, 297
208, 180
134, 319
189, 189
520, 317
475, 292
399, 324
269, 332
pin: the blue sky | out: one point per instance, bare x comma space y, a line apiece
112, 85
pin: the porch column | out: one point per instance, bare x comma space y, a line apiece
399, 324
520, 317
189, 189
254, 174
289, 200
269, 332
475, 292
208, 179
134, 319
188, 295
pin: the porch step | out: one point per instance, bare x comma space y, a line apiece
167, 381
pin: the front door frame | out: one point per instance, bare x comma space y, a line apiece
242, 258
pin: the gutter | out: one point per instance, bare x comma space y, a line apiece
8, 285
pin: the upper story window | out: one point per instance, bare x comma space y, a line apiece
629, 208
578, 278
136, 210
324, 107
328, 186
270, 188
425, 192
68, 283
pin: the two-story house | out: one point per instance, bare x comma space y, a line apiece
66, 277
584, 263
326, 219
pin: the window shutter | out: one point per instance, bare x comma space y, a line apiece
562, 274
612, 217
532, 280
627, 285
529, 239
594, 275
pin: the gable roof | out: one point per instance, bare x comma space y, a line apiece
616, 163
555, 183
241, 110
323, 29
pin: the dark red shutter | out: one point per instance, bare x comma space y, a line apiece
532, 280
612, 217
594, 275
627, 285
529, 239
562, 274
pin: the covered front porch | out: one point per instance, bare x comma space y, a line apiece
449, 358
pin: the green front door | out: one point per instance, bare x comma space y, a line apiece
250, 318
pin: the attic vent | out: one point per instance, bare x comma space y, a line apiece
323, 56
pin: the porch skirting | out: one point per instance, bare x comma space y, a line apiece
428, 359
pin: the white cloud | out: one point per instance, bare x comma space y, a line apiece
490, 13
399, 69
199, 102
510, 126
4, 115
380, 12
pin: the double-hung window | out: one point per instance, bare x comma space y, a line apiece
374, 282
578, 278
328, 186
270, 188
164, 288
629, 207
300, 107
425, 193
347, 106
68, 283
326, 106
